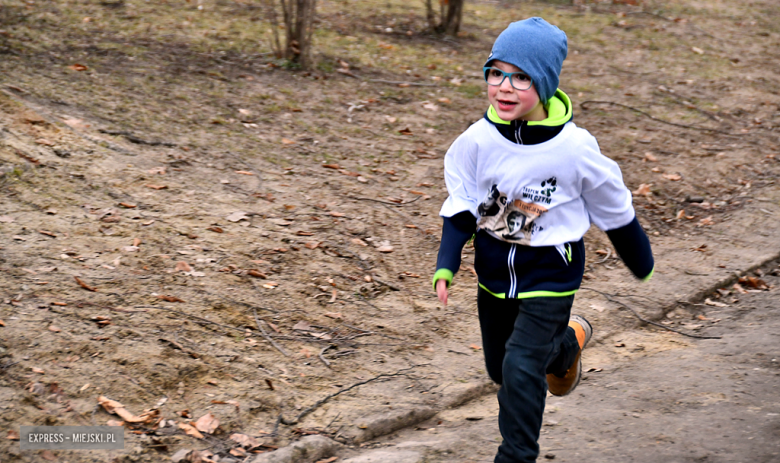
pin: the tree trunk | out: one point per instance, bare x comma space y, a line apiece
298, 17
450, 16
451, 23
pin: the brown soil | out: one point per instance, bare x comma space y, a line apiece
300, 208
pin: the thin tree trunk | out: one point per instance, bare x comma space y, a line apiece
451, 25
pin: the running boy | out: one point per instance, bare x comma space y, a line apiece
529, 183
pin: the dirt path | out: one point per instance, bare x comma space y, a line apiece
709, 400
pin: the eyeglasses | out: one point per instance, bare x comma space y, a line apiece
519, 80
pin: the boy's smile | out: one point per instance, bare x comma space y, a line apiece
510, 103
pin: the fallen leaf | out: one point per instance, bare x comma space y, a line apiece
84, 285
244, 441
444, 100
190, 430
302, 325
706, 222
45, 142
12, 435
405, 131
304, 233
643, 190
287, 141
48, 455
78, 67
156, 187
597, 308
116, 408
391, 119
158, 170
181, 456
697, 50
238, 452
714, 303
236, 216
681, 214
37, 370
256, 274
754, 282
182, 266
207, 423
313, 244
54, 329
169, 298
672, 177
270, 285
475, 346
334, 315
6, 219
2, 323
385, 248
431, 106
215, 229
650, 157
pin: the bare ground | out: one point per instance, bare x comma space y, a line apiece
303, 212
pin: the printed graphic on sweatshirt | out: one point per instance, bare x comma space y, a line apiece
512, 221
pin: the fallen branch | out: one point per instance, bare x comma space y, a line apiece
639, 111
138, 141
384, 202
267, 337
318, 403
393, 82
610, 297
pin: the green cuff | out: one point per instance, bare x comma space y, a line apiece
442, 273
650, 275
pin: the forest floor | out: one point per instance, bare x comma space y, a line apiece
192, 229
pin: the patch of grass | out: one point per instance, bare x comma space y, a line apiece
471, 90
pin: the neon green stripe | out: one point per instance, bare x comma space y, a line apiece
559, 112
531, 294
442, 273
500, 296
647, 278
568, 252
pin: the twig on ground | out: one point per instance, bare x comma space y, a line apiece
324, 349
318, 403
267, 337
610, 297
389, 203
138, 141
394, 82
639, 111
200, 320
394, 288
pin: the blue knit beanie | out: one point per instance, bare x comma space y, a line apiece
538, 48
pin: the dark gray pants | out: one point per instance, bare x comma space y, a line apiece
523, 340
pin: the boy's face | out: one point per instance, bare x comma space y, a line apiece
510, 103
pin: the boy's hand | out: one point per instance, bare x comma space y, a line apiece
441, 291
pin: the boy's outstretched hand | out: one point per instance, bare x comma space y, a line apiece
441, 291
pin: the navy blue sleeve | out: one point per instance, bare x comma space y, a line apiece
455, 233
633, 246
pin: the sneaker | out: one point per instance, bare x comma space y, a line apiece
561, 386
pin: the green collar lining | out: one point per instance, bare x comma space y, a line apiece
559, 111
